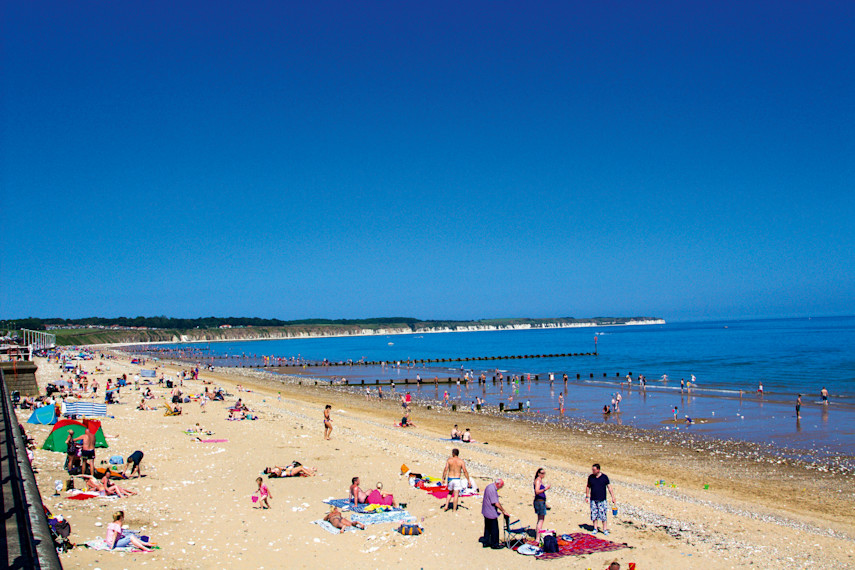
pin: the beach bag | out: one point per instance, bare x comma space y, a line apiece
529, 550
550, 544
410, 529
117, 460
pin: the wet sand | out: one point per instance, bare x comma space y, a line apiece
760, 507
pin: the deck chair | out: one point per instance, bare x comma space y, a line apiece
170, 411
515, 536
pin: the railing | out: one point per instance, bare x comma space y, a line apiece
26, 539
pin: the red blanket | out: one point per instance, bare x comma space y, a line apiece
581, 545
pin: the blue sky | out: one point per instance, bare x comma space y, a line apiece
430, 159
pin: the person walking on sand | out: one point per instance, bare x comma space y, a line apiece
451, 478
595, 494
261, 496
799, 407
327, 422
540, 507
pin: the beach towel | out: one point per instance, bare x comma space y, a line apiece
327, 526
81, 496
582, 545
378, 518
347, 505
101, 544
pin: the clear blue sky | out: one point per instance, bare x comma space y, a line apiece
429, 159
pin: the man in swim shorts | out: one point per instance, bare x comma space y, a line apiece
87, 451
451, 476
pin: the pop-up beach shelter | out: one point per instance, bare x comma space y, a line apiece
45, 415
56, 440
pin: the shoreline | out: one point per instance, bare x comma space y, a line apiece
194, 499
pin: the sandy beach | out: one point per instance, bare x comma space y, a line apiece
195, 499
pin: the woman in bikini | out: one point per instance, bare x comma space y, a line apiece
335, 518
294, 469
327, 422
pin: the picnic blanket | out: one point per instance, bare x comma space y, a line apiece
378, 518
581, 545
327, 526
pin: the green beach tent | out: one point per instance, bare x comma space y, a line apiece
44, 415
56, 440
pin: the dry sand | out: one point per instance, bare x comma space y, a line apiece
195, 500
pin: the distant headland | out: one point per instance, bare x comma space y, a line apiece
125, 330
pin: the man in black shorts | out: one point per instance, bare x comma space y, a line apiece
134, 464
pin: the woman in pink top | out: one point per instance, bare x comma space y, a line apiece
378, 497
117, 539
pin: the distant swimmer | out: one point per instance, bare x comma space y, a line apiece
824, 394
799, 407
664, 377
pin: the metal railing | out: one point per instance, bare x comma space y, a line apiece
27, 537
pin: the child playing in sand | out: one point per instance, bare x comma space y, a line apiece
261, 496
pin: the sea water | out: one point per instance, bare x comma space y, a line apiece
729, 359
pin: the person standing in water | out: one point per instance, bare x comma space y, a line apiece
824, 395
327, 422
799, 407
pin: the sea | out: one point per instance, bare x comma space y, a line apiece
728, 359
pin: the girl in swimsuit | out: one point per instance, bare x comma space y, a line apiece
327, 422
263, 494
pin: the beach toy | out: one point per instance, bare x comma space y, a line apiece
673, 485
706, 487
614, 511
255, 498
662, 482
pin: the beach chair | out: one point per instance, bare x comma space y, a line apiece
170, 411
515, 536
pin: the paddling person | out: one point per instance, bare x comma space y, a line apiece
760, 390
824, 395
451, 477
327, 422
595, 494
799, 407
561, 402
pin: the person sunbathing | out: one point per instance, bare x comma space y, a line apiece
294, 469
357, 495
143, 406
106, 488
335, 518
378, 497
466, 437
